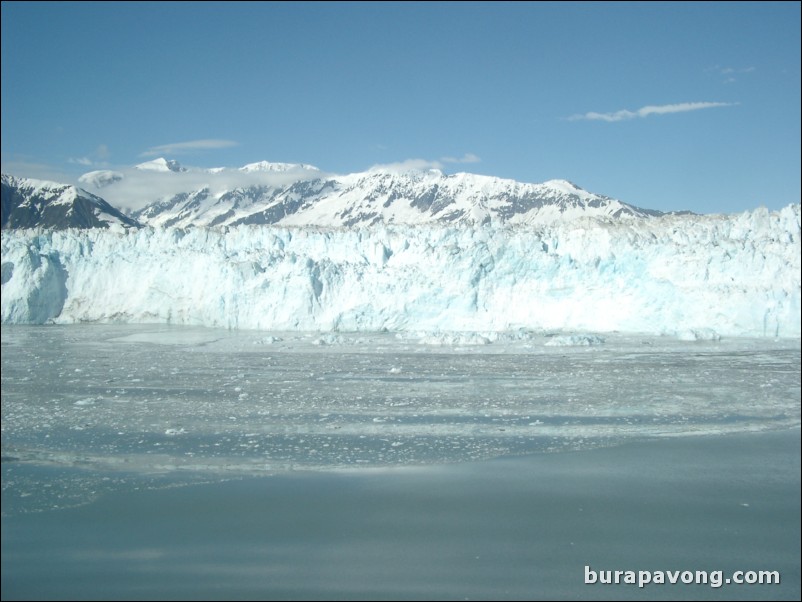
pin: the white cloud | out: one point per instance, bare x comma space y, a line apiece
178, 148
24, 168
407, 165
624, 115
466, 158
423, 164
731, 70
729, 73
140, 187
96, 159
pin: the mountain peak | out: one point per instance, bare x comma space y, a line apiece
273, 166
296, 194
161, 164
565, 186
30, 203
100, 178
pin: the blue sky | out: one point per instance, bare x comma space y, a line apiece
666, 106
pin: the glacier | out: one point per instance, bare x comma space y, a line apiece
691, 276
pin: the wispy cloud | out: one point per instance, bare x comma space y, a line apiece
24, 167
407, 165
138, 187
466, 158
96, 159
178, 148
624, 114
730, 73
731, 70
423, 164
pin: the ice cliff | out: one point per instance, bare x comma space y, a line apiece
686, 275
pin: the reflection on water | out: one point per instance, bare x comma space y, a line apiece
511, 528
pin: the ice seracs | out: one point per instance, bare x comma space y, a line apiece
712, 276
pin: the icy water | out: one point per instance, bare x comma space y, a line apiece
415, 466
136, 406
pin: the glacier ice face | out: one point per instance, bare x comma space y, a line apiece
735, 275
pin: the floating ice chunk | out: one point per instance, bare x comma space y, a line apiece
329, 339
575, 340
454, 338
698, 334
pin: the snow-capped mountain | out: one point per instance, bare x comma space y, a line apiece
280, 167
100, 178
302, 195
458, 252
29, 203
161, 164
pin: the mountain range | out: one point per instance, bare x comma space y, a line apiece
288, 194
287, 247
28, 203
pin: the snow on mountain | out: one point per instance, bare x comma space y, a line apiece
180, 209
29, 203
300, 194
100, 178
379, 197
685, 275
281, 167
290, 247
161, 164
